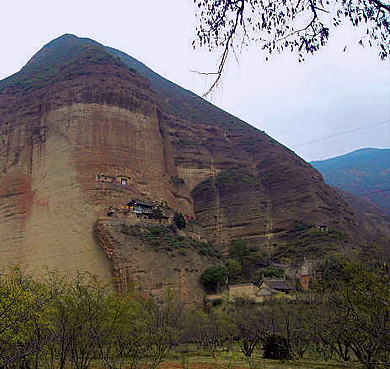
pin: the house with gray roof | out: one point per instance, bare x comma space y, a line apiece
272, 286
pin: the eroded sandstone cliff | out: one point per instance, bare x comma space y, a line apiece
91, 118
85, 128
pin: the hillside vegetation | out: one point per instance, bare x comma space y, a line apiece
57, 322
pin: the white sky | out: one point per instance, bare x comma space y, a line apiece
331, 93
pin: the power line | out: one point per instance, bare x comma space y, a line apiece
94, 250
373, 192
342, 133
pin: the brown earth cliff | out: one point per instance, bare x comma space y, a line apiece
79, 112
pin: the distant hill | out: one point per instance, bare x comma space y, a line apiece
364, 173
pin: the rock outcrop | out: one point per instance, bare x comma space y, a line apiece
153, 259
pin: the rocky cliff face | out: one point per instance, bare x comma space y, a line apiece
85, 128
62, 134
245, 184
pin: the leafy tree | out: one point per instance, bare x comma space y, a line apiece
292, 319
330, 328
89, 322
252, 324
163, 329
238, 249
213, 278
295, 25
24, 325
87, 313
211, 329
233, 268
273, 272
367, 299
129, 320
119, 335
60, 315
360, 301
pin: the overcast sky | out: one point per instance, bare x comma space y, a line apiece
333, 103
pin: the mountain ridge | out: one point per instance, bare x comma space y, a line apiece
364, 172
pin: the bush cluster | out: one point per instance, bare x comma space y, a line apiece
164, 238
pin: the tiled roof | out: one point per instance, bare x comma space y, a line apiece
140, 203
278, 284
241, 285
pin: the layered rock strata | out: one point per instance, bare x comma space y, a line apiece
90, 121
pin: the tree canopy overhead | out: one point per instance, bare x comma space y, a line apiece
300, 26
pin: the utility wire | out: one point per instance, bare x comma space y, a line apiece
372, 192
301, 144
341, 133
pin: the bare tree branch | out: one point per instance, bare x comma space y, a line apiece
277, 25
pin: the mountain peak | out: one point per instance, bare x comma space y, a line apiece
61, 51
55, 55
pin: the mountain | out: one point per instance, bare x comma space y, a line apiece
89, 135
364, 173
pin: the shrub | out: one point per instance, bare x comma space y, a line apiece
273, 272
179, 220
234, 267
276, 347
238, 249
213, 278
